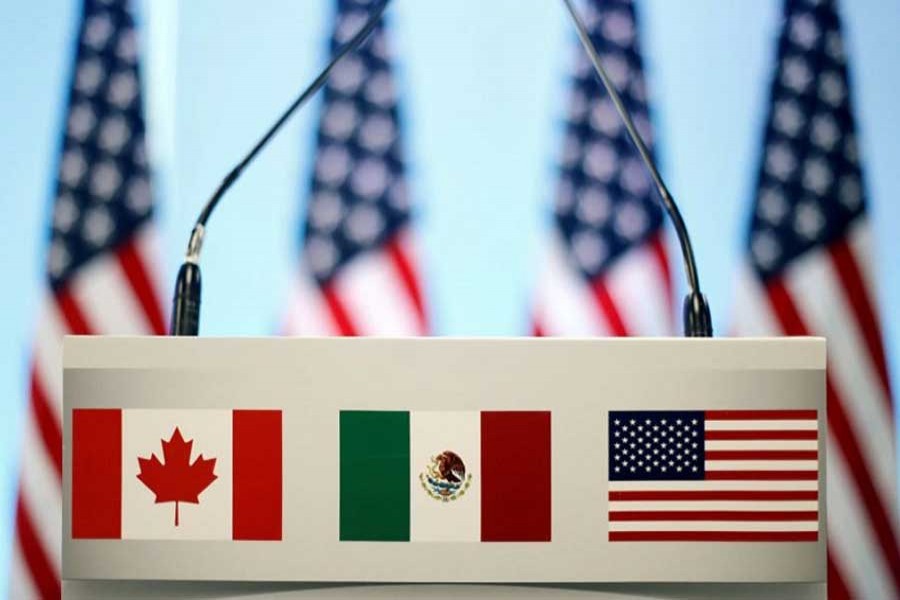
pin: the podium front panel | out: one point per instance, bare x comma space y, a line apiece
444, 460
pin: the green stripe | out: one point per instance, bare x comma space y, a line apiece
374, 476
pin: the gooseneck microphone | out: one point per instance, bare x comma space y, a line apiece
696, 316
186, 300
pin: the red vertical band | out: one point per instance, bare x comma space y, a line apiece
256, 503
97, 474
515, 476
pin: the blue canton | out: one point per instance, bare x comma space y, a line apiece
103, 189
359, 198
810, 187
656, 445
605, 200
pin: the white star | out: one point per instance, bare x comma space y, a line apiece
114, 132
804, 31
631, 220
340, 120
589, 249
105, 180
97, 31
817, 176
138, 198
618, 27
600, 161
348, 75
321, 254
832, 89
326, 211
58, 258
377, 133
780, 161
370, 179
123, 88
634, 178
364, 224
333, 165
825, 133
850, 192
594, 206
796, 74
765, 248
605, 119
65, 213
808, 220
380, 90
73, 167
89, 75
788, 118
97, 226
81, 121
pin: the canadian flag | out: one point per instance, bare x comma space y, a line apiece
176, 474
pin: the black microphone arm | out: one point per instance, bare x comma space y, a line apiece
186, 301
697, 319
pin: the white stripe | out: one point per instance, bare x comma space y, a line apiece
107, 298
820, 298
859, 239
636, 285
753, 313
21, 585
565, 305
48, 354
850, 535
695, 505
713, 525
624, 486
149, 249
307, 313
761, 465
41, 492
430, 433
373, 293
762, 445
767, 425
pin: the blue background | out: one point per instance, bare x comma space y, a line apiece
483, 85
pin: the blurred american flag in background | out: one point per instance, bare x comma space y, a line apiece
809, 273
357, 273
100, 267
606, 268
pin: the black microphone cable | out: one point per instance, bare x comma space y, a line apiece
186, 301
697, 319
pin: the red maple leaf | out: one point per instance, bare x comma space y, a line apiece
177, 480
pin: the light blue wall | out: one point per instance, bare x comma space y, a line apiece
482, 83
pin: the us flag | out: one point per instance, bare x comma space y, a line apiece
357, 274
714, 476
100, 268
809, 272
606, 269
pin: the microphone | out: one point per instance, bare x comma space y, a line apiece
186, 299
696, 315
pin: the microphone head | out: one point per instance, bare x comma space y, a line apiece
697, 319
186, 302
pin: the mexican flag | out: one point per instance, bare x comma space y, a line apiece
445, 476
176, 474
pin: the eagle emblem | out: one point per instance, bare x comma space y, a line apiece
445, 478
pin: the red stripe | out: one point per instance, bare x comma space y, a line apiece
342, 319
257, 468
713, 536
858, 295
658, 247
44, 574
762, 434
762, 475
537, 330
761, 415
407, 272
608, 308
515, 476
762, 455
774, 495
47, 423
714, 515
96, 473
881, 525
136, 272
837, 585
76, 321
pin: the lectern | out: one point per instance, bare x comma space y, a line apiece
665, 468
